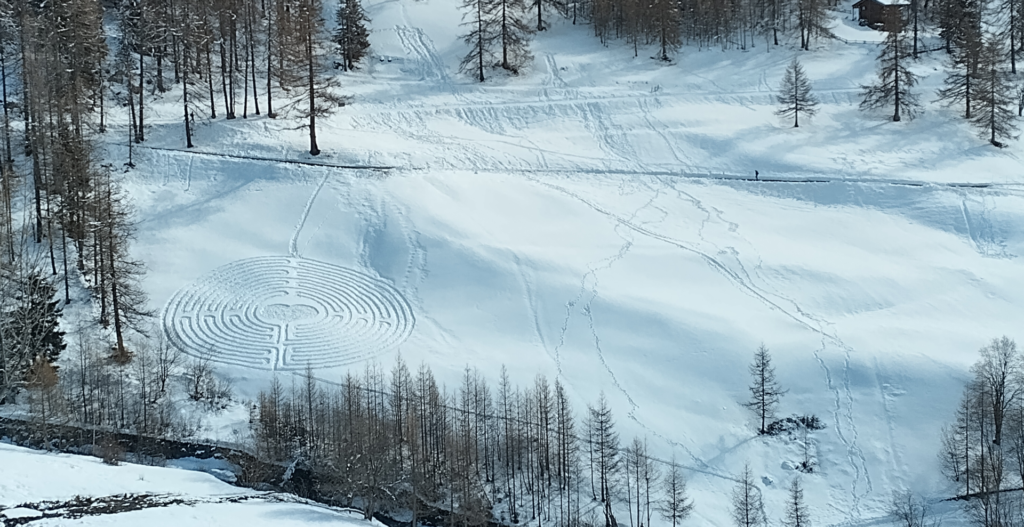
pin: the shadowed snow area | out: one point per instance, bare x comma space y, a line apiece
587, 219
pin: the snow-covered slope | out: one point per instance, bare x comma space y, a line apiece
586, 219
82, 490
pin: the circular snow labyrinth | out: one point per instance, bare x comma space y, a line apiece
284, 313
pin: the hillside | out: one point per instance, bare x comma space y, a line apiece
595, 219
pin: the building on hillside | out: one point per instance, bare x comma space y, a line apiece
885, 15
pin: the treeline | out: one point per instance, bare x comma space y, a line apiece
226, 55
158, 393
64, 221
983, 449
499, 30
400, 441
982, 41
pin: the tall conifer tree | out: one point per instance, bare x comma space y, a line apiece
895, 80
994, 96
795, 95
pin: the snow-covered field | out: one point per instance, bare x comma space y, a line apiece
61, 490
591, 219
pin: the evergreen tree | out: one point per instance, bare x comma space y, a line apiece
305, 54
994, 96
676, 506
29, 328
479, 16
813, 21
963, 68
795, 94
144, 32
747, 509
559, 6
954, 18
493, 24
605, 453
894, 80
1013, 30
192, 41
764, 389
513, 34
664, 26
796, 509
120, 275
351, 35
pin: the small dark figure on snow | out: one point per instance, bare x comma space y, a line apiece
757, 176
192, 117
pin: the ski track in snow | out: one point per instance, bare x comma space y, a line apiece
895, 458
979, 226
591, 293
293, 244
840, 415
846, 428
531, 306
645, 108
416, 265
417, 43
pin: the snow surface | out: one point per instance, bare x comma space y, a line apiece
31, 476
589, 219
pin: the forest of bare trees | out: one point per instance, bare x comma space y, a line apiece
498, 34
983, 449
384, 441
65, 221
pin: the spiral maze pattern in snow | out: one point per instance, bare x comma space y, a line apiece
282, 313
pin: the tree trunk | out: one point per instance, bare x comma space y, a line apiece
184, 98
8, 155
480, 37
228, 110
140, 134
37, 180
252, 57
270, 63
245, 85
992, 139
913, 7
1013, 39
967, 92
209, 80
313, 148
160, 69
896, 78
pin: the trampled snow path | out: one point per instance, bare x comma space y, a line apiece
416, 42
587, 294
686, 171
288, 313
843, 418
293, 243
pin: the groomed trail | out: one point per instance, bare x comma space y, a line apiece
711, 175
